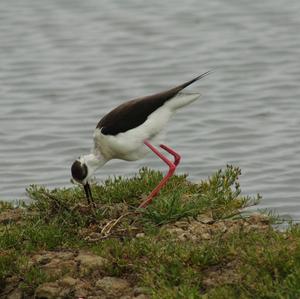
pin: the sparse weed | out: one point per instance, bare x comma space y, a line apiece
236, 260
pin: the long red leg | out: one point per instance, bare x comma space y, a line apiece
172, 167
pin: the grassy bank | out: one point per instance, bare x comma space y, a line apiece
192, 242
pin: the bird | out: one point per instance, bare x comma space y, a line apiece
130, 131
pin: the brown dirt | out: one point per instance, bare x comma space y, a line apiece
81, 274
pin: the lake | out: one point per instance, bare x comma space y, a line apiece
64, 64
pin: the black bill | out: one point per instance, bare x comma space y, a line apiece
88, 193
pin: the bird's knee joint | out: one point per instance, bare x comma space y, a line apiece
172, 167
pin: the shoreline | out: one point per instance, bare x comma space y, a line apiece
194, 241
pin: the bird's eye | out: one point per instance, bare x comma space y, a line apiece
79, 171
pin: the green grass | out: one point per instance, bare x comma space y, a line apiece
243, 261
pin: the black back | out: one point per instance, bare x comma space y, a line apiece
135, 112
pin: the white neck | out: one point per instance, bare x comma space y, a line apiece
93, 162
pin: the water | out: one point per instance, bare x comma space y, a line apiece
65, 63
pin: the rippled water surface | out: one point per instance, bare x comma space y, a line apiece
65, 63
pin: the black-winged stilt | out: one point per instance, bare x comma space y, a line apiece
128, 131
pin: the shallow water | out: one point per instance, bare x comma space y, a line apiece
64, 64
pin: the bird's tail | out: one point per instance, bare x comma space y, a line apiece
182, 99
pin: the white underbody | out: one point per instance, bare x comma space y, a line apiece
130, 144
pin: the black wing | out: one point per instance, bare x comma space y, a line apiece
135, 112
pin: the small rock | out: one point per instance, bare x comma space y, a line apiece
45, 257
65, 255
206, 236
222, 227
81, 289
112, 286
184, 237
205, 219
140, 290
49, 290
181, 224
142, 296
80, 292
175, 231
140, 235
57, 267
68, 281
42, 260
16, 294
90, 262
65, 292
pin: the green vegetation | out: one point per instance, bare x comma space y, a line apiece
193, 241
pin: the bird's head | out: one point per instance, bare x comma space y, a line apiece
80, 173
